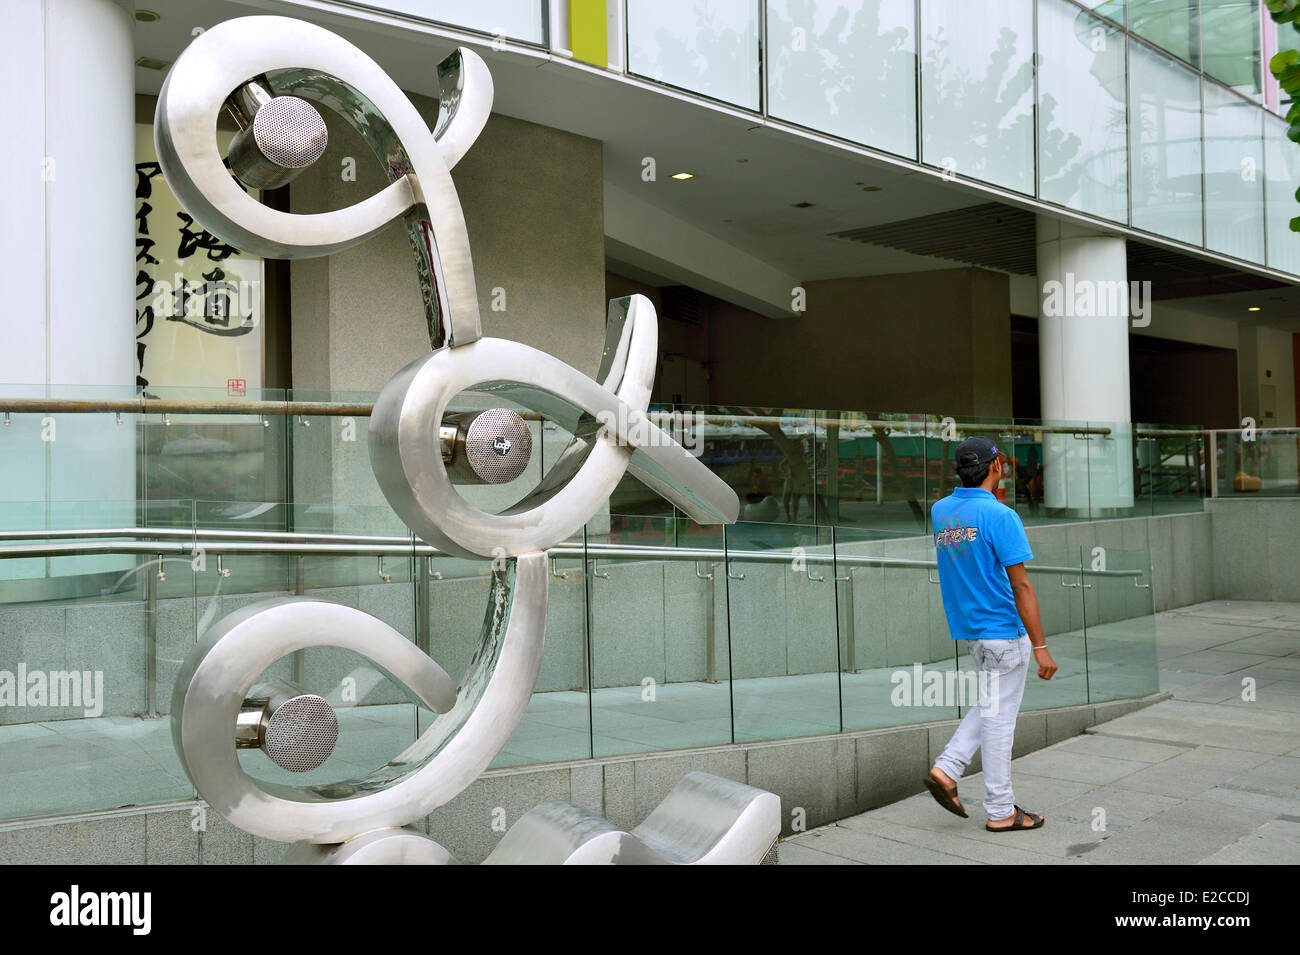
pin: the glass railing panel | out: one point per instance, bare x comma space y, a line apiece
1171, 469
1114, 486
894, 641
330, 458
64, 465
557, 723
781, 612
769, 459
377, 716
885, 487
1119, 613
1055, 573
206, 455
874, 473
945, 434
1258, 462
84, 663
659, 656
1064, 482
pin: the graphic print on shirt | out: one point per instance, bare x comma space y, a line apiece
954, 537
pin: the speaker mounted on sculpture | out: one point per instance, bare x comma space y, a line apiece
271, 74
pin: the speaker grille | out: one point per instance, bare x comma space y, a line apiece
290, 132
301, 733
498, 445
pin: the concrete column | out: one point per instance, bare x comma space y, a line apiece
67, 254
1083, 320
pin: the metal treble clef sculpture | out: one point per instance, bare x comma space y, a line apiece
271, 73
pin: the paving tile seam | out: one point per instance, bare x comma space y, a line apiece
1178, 744
917, 845
833, 855
973, 840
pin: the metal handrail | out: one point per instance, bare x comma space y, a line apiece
236, 406
168, 541
239, 406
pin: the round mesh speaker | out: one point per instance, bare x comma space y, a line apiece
290, 132
497, 445
301, 733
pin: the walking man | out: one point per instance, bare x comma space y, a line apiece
989, 602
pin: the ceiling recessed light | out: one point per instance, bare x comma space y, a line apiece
742, 160
149, 63
683, 175
871, 188
803, 205
147, 16
1253, 308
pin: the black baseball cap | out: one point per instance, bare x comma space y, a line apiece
975, 451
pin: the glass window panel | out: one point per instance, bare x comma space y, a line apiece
1082, 140
708, 47
1230, 36
1113, 9
977, 89
1234, 175
1282, 164
848, 69
1166, 144
516, 19
1169, 24
1286, 37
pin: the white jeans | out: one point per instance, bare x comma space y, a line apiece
992, 728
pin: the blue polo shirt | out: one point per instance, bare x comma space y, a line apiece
976, 537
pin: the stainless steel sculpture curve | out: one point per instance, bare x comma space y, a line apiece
282, 66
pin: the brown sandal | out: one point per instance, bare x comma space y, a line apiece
1019, 822
945, 797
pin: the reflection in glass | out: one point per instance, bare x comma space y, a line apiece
1120, 627
658, 640
1234, 181
1082, 152
1166, 144
977, 88
848, 69
517, 19
1282, 173
1169, 24
707, 47
1056, 573
1230, 43
781, 613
